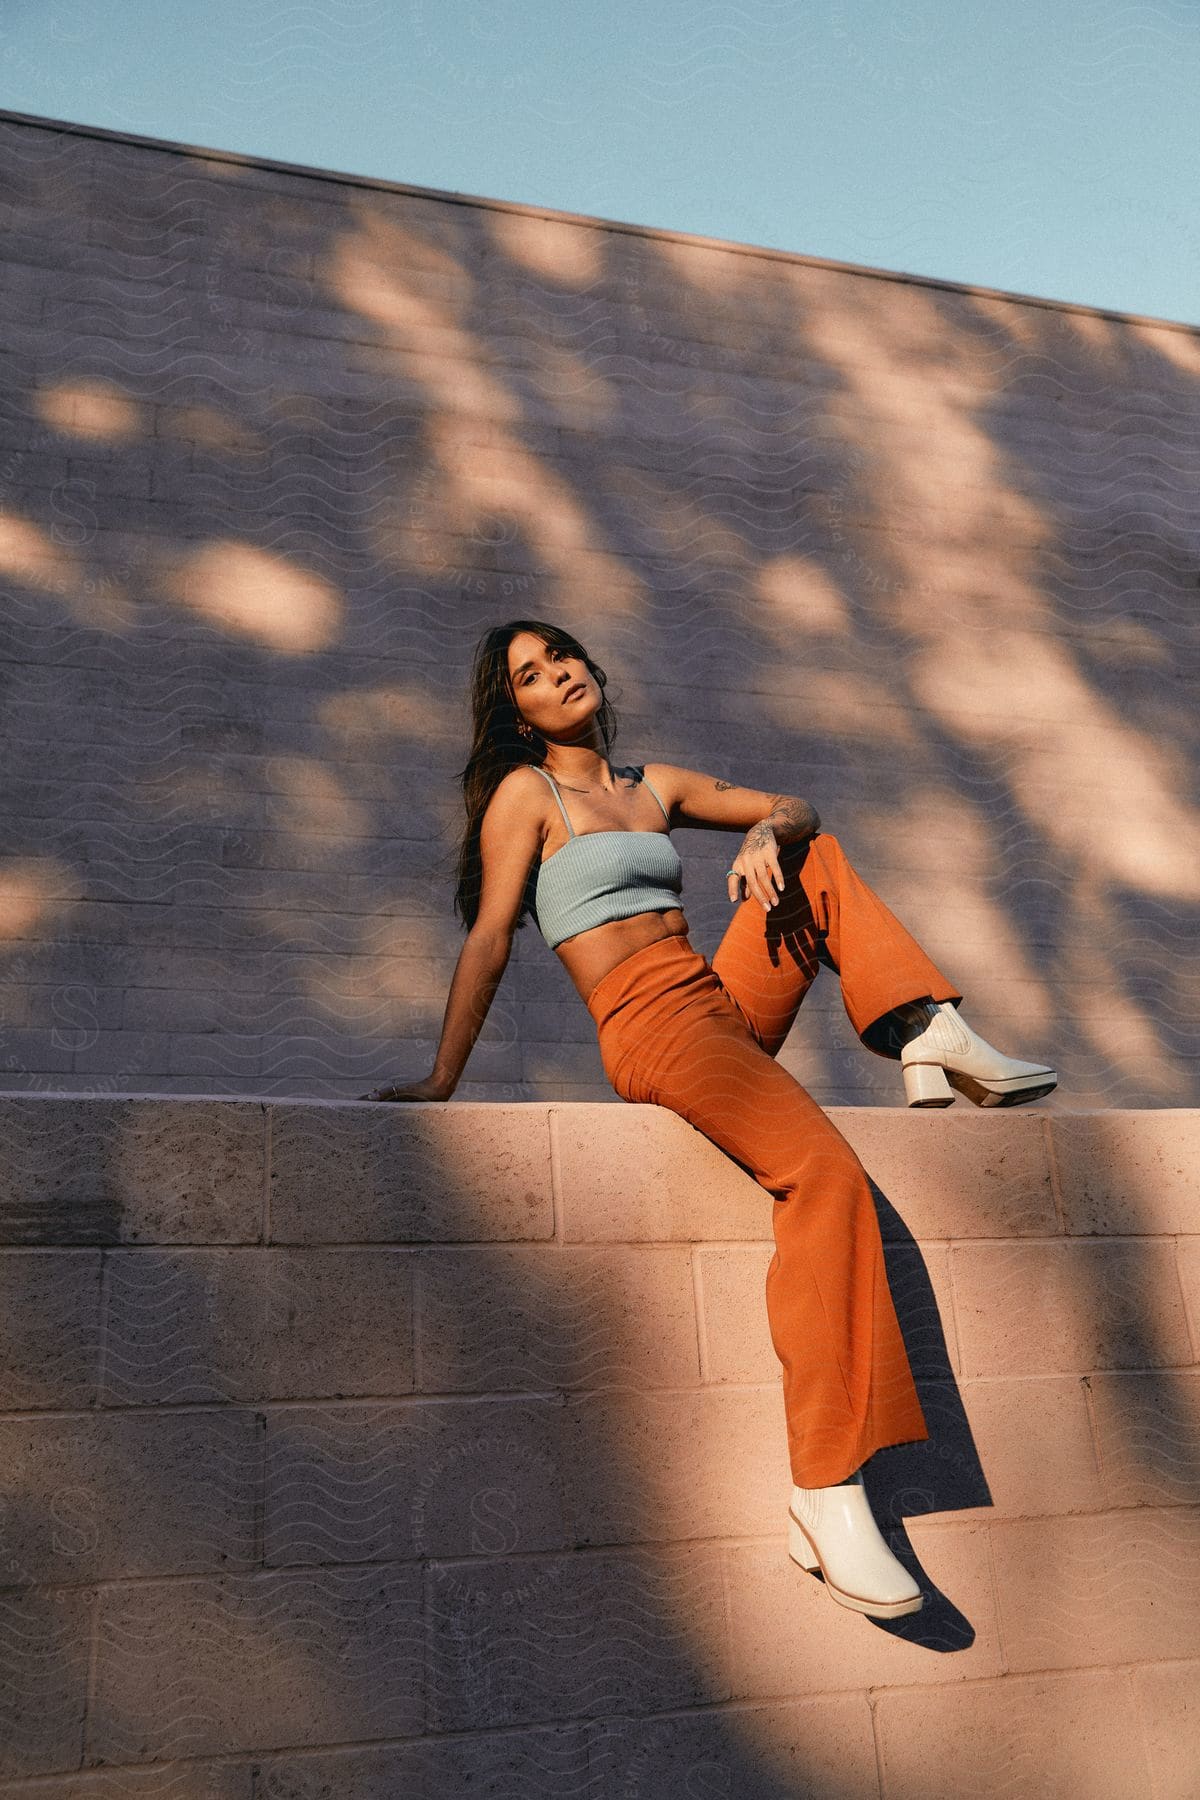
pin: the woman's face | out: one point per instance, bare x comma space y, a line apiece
542, 682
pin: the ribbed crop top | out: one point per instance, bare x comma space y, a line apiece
599, 876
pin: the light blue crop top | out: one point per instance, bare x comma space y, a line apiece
598, 876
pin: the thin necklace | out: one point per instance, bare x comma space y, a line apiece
572, 789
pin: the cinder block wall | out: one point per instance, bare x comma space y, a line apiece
366, 1452
275, 447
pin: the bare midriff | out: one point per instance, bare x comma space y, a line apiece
589, 955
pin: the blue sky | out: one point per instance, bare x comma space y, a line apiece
1045, 147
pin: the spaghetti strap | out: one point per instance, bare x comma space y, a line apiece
562, 809
646, 779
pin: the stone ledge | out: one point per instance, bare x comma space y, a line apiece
129, 1169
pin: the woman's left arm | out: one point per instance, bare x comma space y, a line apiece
768, 820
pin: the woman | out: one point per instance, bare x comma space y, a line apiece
554, 823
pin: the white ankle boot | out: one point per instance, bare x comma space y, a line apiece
943, 1050
833, 1529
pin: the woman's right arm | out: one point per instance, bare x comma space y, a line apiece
510, 838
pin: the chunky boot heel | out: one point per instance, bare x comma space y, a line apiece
925, 1084
799, 1548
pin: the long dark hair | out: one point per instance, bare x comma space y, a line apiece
497, 746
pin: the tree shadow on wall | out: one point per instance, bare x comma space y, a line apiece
824, 526
942, 1474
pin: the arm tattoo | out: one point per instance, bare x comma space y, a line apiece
789, 819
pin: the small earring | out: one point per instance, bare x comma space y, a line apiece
523, 729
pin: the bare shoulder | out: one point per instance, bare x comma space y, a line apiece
666, 778
524, 779
518, 798
511, 836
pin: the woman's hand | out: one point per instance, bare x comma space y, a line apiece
757, 864
428, 1089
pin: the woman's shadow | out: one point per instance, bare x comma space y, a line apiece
942, 1473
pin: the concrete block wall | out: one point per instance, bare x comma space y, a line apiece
372, 1452
278, 444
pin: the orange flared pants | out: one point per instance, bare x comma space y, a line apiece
702, 1038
